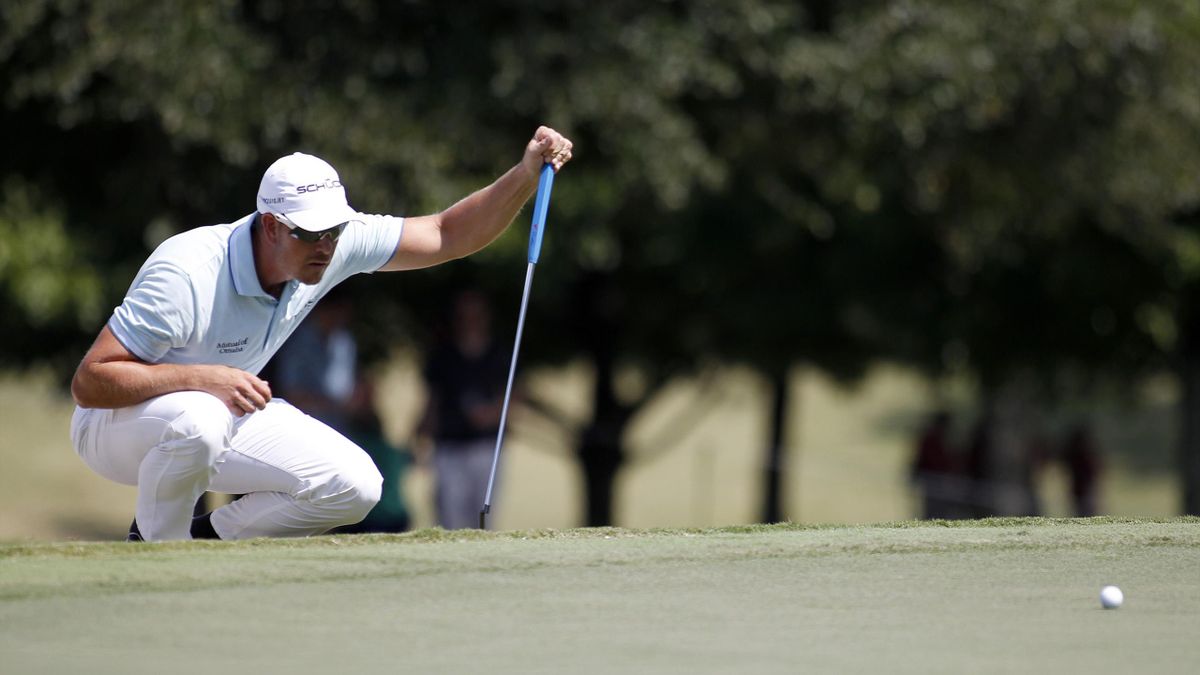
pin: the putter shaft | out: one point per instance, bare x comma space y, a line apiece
512, 370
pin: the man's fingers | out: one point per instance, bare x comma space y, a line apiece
250, 395
559, 155
541, 145
552, 147
255, 399
550, 140
556, 149
263, 389
238, 405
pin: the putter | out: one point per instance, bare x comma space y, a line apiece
536, 230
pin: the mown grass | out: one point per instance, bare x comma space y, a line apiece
999, 595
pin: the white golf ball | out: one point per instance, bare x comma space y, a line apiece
1111, 597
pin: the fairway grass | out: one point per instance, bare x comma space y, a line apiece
1010, 595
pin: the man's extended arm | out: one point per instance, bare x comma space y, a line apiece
476, 220
111, 377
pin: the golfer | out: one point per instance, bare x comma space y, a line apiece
168, 396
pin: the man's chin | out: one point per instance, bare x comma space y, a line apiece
312, 274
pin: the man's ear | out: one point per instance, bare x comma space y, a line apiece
270, 227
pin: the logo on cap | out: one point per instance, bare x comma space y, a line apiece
313, 187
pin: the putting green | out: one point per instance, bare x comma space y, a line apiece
1010, 595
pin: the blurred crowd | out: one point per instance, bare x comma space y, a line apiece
995, 469
986, 469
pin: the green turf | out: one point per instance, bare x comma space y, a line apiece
994, 596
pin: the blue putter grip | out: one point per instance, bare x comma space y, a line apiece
540, 204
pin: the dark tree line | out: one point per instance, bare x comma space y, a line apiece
990, 188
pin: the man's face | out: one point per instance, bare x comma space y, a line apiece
303, 260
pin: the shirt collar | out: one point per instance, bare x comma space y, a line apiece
241, 260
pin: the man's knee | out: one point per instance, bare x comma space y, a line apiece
368, 489
201, 431
351, 496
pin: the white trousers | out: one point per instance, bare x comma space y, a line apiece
299, 476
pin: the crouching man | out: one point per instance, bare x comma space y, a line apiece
168, 395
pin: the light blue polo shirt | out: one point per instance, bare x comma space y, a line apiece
197, 299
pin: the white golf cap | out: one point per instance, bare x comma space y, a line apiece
307, 191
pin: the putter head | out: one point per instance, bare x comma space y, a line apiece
483, 517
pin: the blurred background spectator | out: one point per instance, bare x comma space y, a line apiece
317, 371
936, 470
980, 458
466, 374
1083, 465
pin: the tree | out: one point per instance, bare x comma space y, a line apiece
762, 182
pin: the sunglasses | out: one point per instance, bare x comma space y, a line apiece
307, 237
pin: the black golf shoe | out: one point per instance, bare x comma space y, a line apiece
134, 533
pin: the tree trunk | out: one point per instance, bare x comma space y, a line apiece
773, 477
1189, 441
1189, 376
600, 458
600, 447
600, 451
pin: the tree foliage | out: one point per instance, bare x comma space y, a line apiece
984, 187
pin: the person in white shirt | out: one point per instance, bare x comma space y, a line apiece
168, 395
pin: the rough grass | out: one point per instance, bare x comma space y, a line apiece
439, 535
1000, 595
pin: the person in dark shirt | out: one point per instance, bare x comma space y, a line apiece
1084, 467
466, 375
935, 470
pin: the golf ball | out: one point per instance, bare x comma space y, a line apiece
1111, 597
